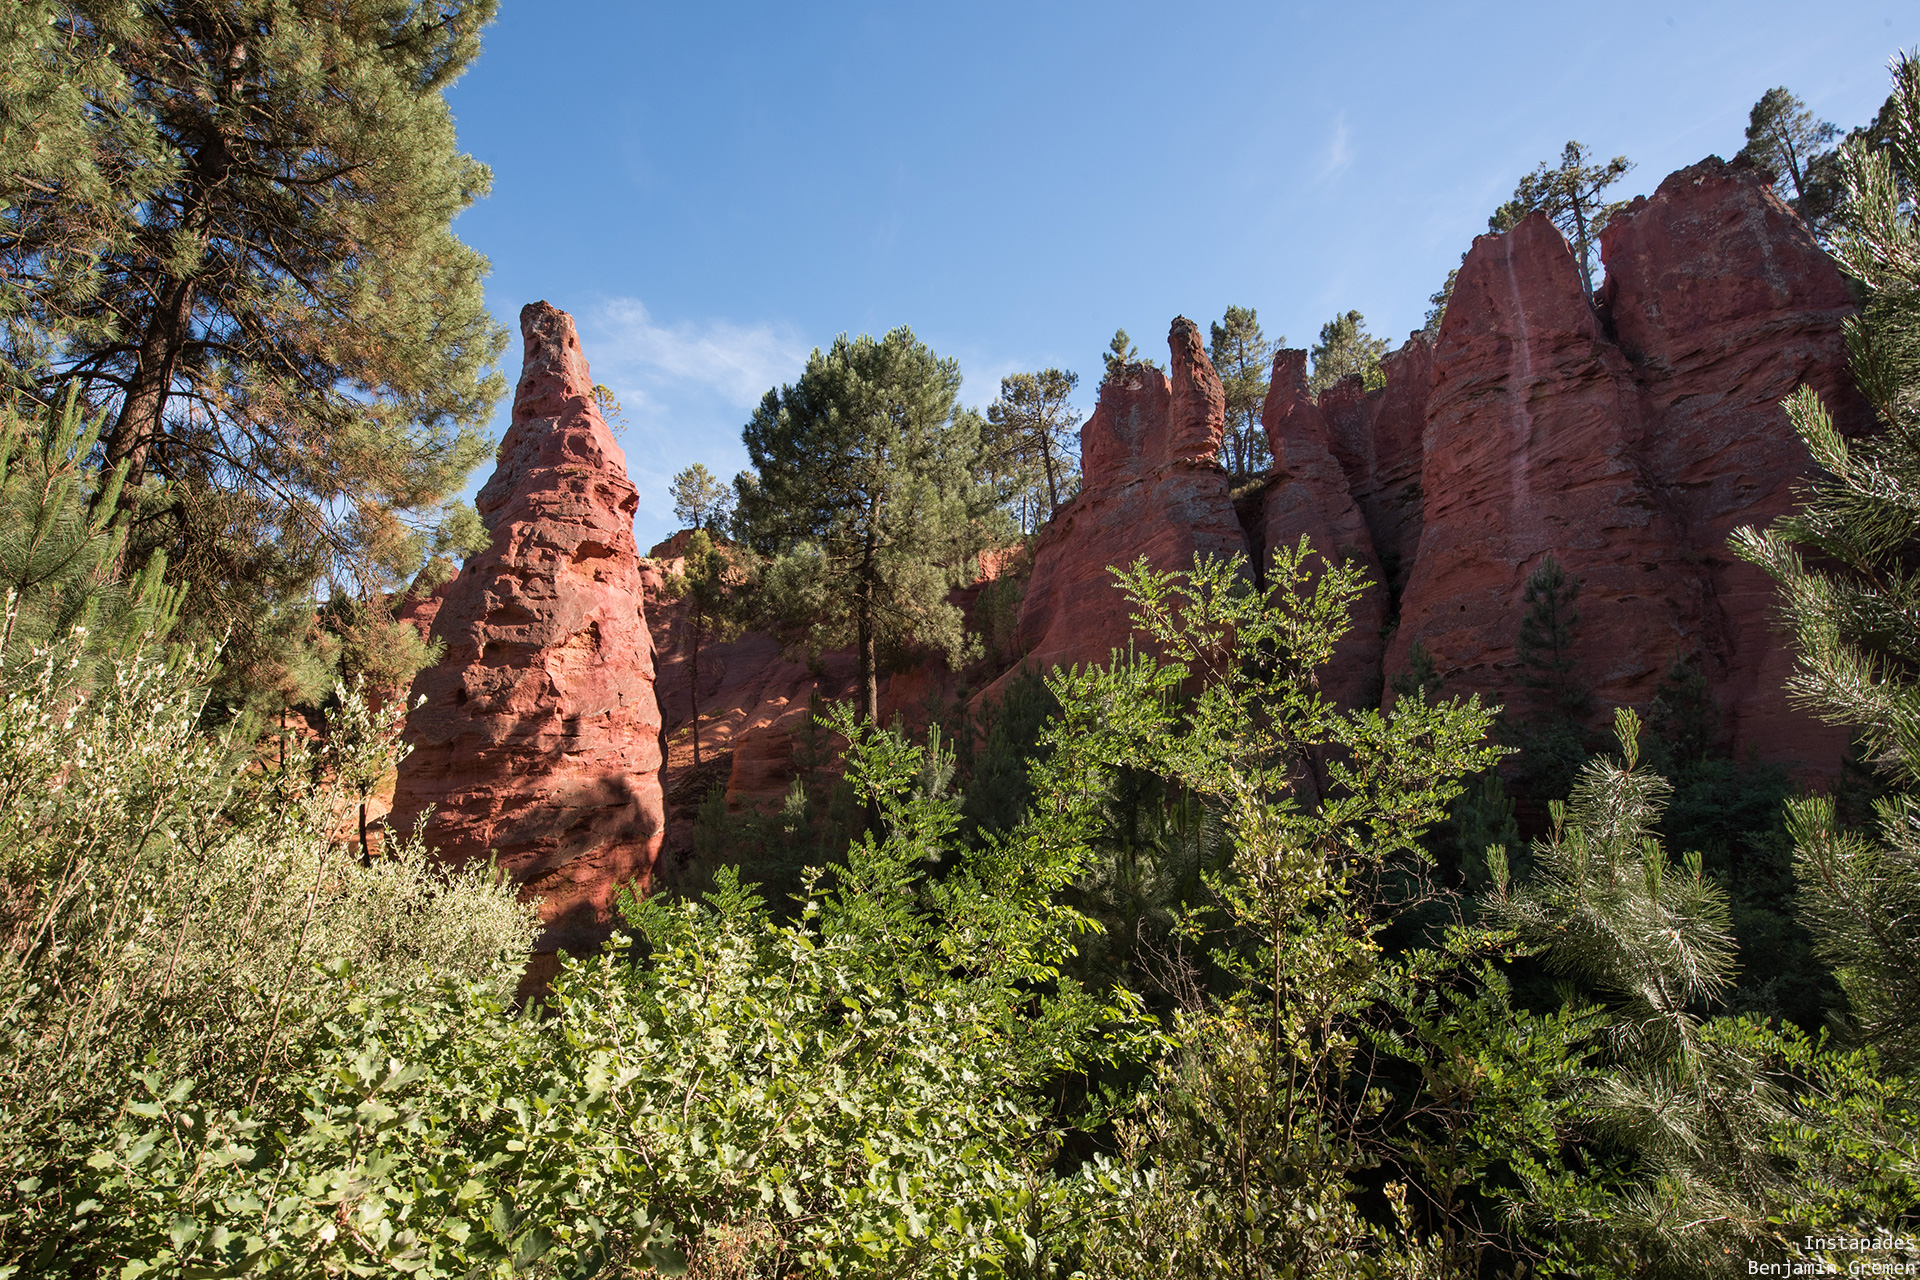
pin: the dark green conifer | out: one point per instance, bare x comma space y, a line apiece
1848, 567
866, 502
238, 238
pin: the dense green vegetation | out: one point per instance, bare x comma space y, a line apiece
1168, 967
864, 498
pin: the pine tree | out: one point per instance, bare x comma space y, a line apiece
1789, 141
1677, 1120
241, 246
700, 501
1420, 676
1032, 440
1551, 732
1437, 301
712, 584
1569, 194
1846, 564
1242, 355
865, 501
1345, 349
1121, 353
63, 546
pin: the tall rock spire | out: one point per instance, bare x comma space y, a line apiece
539, 737
1150, 486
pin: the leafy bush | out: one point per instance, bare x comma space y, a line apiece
173, 913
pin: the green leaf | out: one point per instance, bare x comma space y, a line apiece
666, 1259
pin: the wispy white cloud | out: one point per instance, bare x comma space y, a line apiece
685, 387
982, 381
655, 362
1339, 152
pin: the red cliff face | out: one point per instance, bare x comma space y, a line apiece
1626, 437
538, 739
1377, 438
1724, 304
1628, 440
1534, 446
1308, 496
1149, 487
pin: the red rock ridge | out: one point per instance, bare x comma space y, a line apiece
1307, 496
1534, 447
1150, 486
1378, 439
1724, 304
1628, 439
538, 739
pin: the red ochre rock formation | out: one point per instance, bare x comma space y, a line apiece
422, 605
1307, 496
1149, 487
1629, 440
539, 737
1626, 437
1377, 438
1534, 446
1722, 301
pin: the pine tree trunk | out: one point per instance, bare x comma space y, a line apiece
694, 634
143, 401
143, 404
869, 674
863, 608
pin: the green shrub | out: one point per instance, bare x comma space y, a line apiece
175, 912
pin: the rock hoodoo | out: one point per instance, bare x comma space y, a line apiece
539, 736
1307, 496
1627, 436
1149, 487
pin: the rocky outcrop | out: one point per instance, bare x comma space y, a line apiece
422, 604
1628, 439
1308, 496
538, 739
1626, 436
1722, 301
1534, 448
1150, 486
1378, 439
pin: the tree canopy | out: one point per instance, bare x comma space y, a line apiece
1345, 349
239, 242
1031, 444
700, 499
1788, 141
1569, 194
864, 496
1242, 356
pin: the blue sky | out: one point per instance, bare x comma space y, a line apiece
714, 190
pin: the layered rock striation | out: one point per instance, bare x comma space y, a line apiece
1308, 496
1625, 435
1150, 485
538, 740
1629, 439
